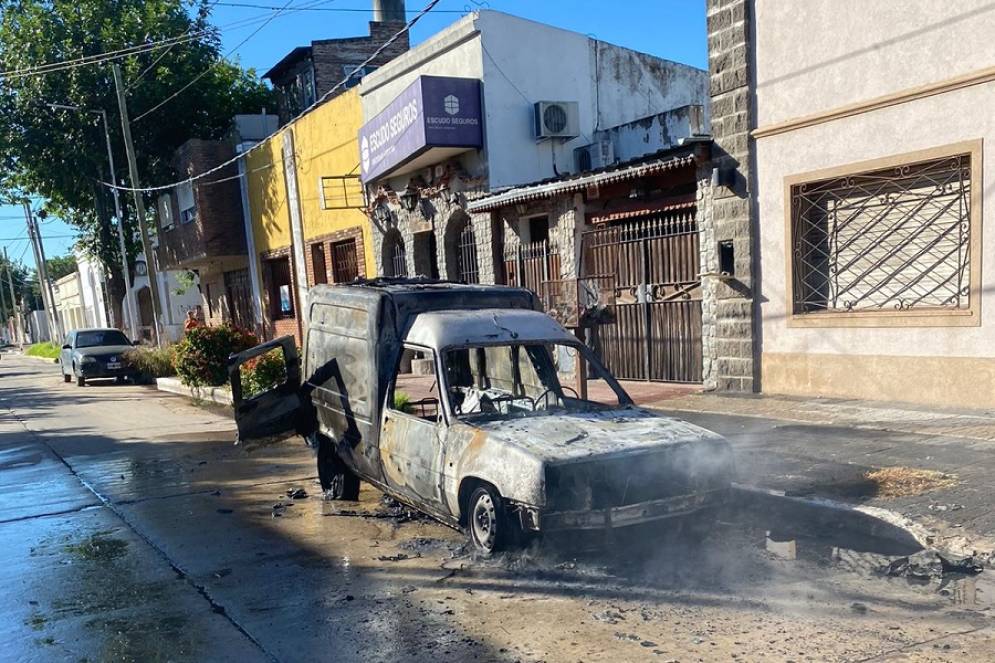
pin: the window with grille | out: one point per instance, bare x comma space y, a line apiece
395, 261
895, 238
467, 270
345, 261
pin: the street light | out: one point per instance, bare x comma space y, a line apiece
128, 297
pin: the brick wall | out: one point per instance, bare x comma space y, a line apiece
218, 228
280, 326
331, 55
726, 212
325, 243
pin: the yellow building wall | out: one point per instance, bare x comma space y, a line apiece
268, 196
326, 146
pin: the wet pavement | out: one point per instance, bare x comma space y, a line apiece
134, 531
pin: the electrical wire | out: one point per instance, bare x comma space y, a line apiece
158, 59
318, 102
137, 49
325, 9
206, 71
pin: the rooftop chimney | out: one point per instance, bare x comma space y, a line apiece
388, 11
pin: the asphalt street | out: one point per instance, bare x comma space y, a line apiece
133, 530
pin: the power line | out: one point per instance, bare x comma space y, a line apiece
209, 68
324, 9
158, 59
137, 49
318, 102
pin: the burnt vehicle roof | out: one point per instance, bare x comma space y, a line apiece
410, 296
441, 329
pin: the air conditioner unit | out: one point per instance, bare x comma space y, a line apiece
556, 119
594, 156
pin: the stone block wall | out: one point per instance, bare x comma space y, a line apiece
725, 211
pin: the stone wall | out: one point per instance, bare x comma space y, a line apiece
725, 211
440, 212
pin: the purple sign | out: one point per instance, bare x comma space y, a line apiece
434, 111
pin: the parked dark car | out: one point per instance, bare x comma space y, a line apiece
89, 354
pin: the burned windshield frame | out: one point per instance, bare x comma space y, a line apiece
531, 347
109, 337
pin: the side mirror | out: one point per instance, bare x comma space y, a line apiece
67, 347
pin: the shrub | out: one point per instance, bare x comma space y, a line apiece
402, 401
45, 350
263, 372
152, 363
202, 355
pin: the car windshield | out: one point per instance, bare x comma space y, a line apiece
501, 380
91, 339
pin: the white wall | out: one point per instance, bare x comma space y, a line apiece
821, 54
521, 62
92, 290
824, 57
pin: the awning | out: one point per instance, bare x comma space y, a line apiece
581, 181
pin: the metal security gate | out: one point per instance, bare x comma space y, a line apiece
656, 329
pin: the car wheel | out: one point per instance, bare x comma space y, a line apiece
487, 521
120, 379
337, 481
80, 381
66, 377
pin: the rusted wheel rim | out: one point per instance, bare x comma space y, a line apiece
484, 522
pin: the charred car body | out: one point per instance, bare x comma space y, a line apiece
449, 397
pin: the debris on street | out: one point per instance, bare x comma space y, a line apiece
296, 493
907, 481
930, 564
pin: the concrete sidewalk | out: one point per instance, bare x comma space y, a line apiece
824, 448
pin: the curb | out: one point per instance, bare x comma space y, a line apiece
217, 395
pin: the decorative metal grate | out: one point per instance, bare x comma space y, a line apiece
395, 261
345, 262
466, 259
530, 264
896, 238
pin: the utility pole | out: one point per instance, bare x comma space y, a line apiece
139, 205
47, 294
18, 327
129, 298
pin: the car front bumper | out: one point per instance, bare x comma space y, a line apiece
100, 370
632, 514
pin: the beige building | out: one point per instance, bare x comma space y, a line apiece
867, 175
69, 302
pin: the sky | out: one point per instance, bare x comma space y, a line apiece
671, 29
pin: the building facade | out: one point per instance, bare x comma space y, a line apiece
307, 73
200, 232
474, 158
865, 162
307, 210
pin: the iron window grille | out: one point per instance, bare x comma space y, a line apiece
341, 192
395, 260
466, 259
895, 238
345, 261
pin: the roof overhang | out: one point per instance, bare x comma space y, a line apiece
672, 159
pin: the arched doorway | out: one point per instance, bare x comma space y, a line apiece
395, 260
461, 250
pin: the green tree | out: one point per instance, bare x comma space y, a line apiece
60, 154
60, 266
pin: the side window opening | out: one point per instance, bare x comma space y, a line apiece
263, 373
416, 385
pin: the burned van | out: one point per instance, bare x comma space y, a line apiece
457, 400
